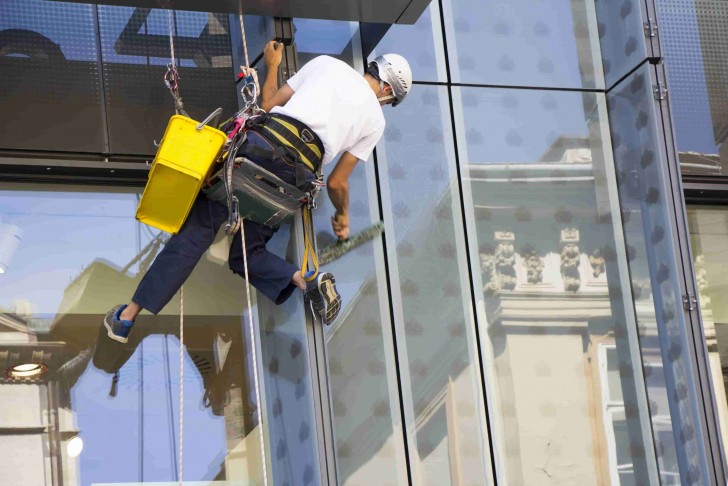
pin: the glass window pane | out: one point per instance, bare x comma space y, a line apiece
112, 410
621, 37
431, 292
50, 41
644, 196
692, 35
135, 49
540, 205
359, 350
523, 43
420, 44
287, 377
327, 37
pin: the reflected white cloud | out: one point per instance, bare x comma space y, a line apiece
9, 240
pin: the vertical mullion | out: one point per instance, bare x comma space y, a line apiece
314, 333
395, 347
388, 282
473, 299
102, 81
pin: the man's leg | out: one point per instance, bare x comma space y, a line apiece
171, 268
276, 278
270, 274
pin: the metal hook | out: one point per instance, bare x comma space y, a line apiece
214, 115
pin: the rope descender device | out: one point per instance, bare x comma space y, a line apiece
251, 86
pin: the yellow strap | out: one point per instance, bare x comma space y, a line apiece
308, 247
314, 148
289, 144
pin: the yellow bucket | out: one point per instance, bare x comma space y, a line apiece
183, 161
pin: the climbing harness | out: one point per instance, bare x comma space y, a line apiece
252, 192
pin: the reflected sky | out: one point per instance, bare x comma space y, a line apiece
133, 436
524, 43
130, 436
63, 232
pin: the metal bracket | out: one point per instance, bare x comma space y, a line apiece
690, 302
660, 91
650, 28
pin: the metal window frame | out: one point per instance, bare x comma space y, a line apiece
284, 29
705, 189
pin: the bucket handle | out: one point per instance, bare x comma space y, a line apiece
212, 116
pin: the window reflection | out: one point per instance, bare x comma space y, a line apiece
121, 401
134, 45
436, 344
621, 37
539, 212
37, 38
107, 64
327, 37
420, 44
644, 195
524, 43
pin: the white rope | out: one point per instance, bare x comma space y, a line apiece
181, 375
254, 357
170, 22
251, 325
245, 42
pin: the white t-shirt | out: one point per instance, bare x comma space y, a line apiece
337, 103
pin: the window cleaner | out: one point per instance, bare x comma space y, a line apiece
325, 109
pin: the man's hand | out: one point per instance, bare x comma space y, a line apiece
337, 186
340, 225
273, 54
271, 96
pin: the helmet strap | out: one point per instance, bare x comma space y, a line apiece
386, 97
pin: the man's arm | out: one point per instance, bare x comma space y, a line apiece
271, 95
338, 188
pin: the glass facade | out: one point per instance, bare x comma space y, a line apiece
694, 45
644, 193
116, 401
520, 321
105, 63
542, 222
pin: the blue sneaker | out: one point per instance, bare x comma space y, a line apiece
117, 329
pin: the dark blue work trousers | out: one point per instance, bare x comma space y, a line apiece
268, 273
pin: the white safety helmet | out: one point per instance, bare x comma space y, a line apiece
394, 70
